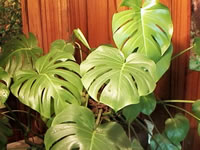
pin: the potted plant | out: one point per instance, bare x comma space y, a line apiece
97, 104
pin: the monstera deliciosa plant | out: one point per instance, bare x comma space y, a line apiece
100, 103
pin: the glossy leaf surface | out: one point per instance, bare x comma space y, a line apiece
160, 142
20, 54
118, 81
147, 30
177, 128
74, 128
53, 84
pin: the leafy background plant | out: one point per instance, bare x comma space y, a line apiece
10, 20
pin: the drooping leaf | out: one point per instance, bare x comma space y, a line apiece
20, 54
74, 128
147, 30
5, 131
118, 81
148, 104
163, 64
131, 112
63, 46
136, 145
197, 45
196, 108
53, 84
79, 35
4, 86
177, 128
160, 142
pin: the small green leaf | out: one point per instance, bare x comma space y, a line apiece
148, 104
194, 63
177, 128
136, 145
196, 108
61, 45
131, 112
75, 128
160, 142
197, 45
79, 35
4, 86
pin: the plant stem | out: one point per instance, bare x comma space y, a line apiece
170, 115
182, 52
176, 101
132, 128
181, 109
80, 50
154, 124
99, 117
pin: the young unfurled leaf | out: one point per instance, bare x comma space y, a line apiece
176, 128
75, 128
79, 35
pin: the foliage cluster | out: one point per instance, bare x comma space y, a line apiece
95, 105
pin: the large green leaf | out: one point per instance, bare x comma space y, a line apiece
147, 30
160, 142
20, 53
4, 86
177, 128
75, 128
198, 129
53, 84
117, 81
63, 46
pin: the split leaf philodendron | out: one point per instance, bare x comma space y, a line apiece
97, 104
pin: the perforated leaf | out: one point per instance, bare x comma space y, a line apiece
117, 81
53, 84
20, 54
75, 128
147, 30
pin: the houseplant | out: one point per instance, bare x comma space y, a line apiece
116, 84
